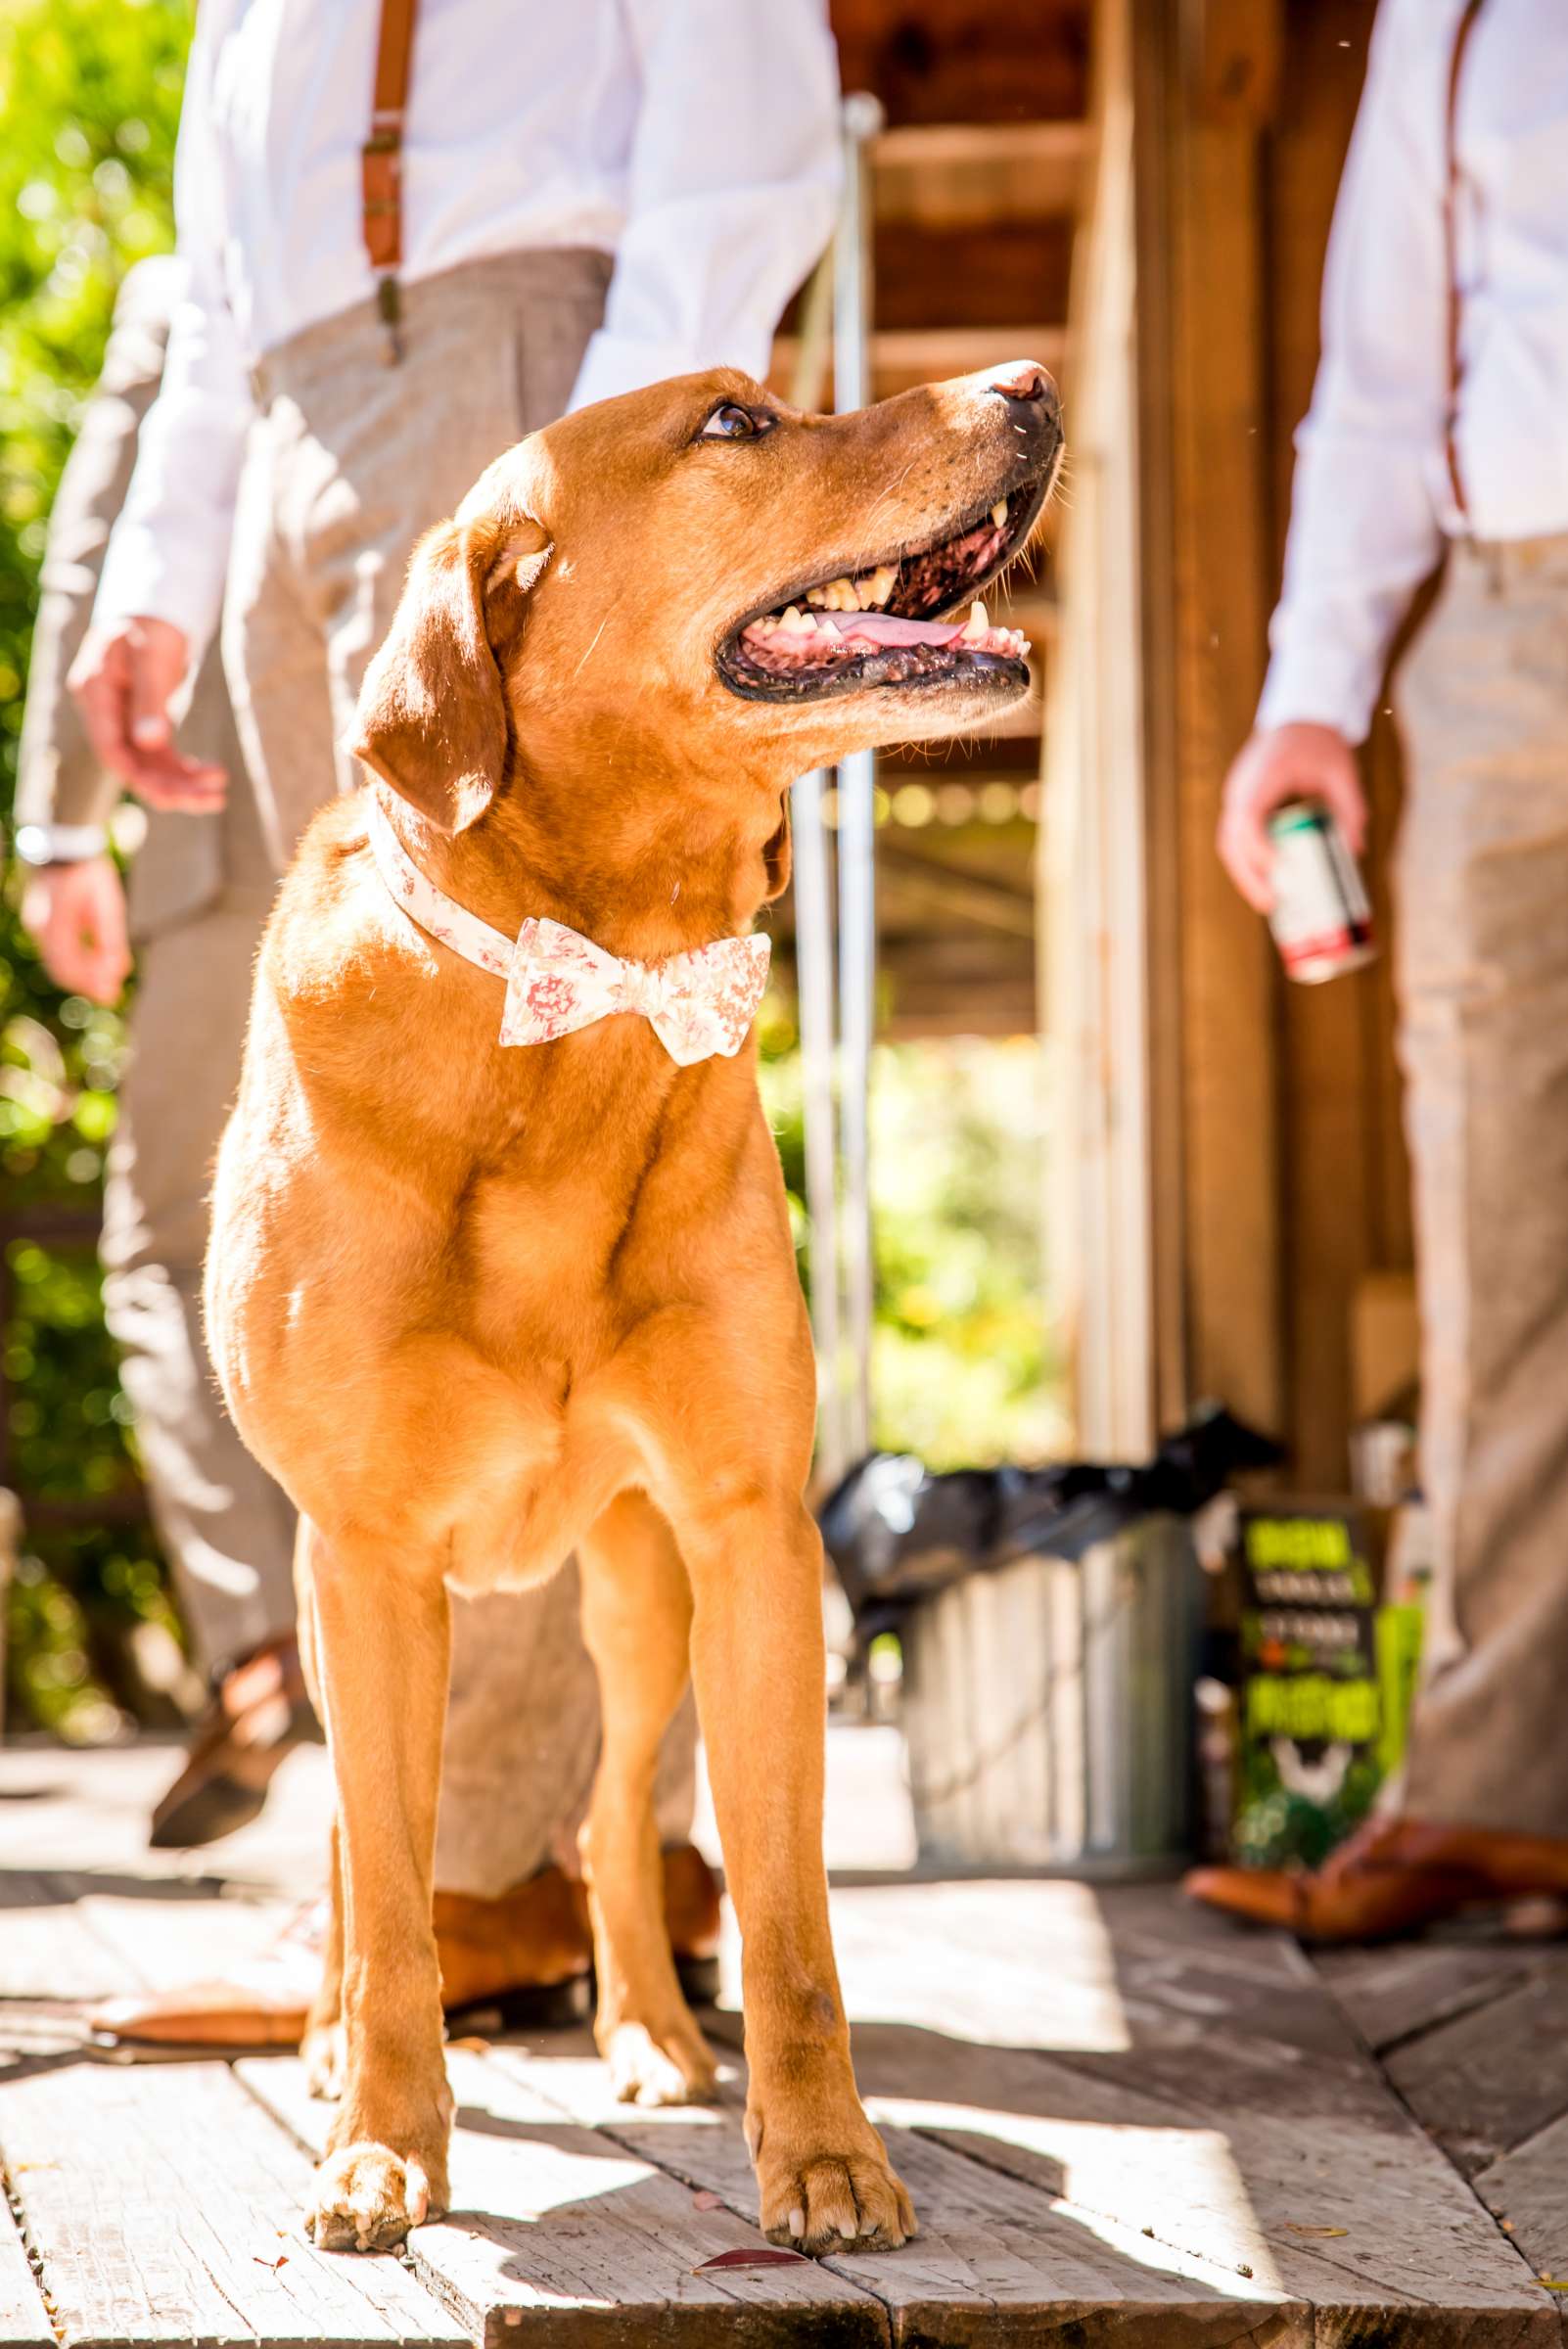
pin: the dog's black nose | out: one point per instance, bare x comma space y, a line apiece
1025, 380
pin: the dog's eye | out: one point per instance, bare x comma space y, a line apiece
732, 423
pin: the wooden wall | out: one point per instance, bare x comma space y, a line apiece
1345, 1189
1288, 1183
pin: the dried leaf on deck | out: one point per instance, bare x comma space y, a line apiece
707, 2200
1292, 2227
762, 2257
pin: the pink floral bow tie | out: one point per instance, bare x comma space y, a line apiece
697, 1004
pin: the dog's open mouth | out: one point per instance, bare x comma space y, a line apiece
915, 618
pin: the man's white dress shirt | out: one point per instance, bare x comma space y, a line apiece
1373, 501
696, 140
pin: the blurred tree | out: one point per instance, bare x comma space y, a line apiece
89, 101
962, 1370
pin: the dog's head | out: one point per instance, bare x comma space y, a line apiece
699, 569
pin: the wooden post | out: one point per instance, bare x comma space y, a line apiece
1206, 559
1098, 1000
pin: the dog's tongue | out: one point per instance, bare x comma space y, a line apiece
880, 627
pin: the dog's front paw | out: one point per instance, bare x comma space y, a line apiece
822, 2201
673, 2067
366, 2197
324, 2052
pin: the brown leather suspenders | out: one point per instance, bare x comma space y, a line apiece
1451, 241
381, 156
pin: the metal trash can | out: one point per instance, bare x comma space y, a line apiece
1047, 1707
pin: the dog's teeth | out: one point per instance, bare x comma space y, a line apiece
817, 595
875, 590
795, 623
999, 512
977, 623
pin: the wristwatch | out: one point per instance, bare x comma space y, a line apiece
60, 844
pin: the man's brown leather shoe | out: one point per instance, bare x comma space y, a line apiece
530, 1943
1392, 1875
260, 1712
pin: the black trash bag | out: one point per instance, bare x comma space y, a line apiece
898, 1533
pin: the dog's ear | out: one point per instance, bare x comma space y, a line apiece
432, 717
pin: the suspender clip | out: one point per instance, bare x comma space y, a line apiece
389, 303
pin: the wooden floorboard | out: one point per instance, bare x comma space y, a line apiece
1493, 2077
1335, 2205
998, 2259
1396, 1992
1126, 2125
164, 2205
24, 2319
560, 2229
1527, 2191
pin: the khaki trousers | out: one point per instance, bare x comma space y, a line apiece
349, 460
1482, 983
201, 888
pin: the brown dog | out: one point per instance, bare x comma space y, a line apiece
479, 1307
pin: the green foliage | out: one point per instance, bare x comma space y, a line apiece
961, 1370
90, 100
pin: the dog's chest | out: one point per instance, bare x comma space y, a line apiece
546, 1235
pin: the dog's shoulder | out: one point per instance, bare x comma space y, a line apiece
334, 931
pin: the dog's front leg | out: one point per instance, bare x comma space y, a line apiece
637, 1621
322, 2049
758, 1661
382, 1643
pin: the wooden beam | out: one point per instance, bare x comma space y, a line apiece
1233, 57
903, 357
1206, 555
965, 61
967, 276
1346, 1179
976, 175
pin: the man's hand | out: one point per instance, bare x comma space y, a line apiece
123, 678
1285, 763
76, 912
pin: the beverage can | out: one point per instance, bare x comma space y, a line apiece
1320, 918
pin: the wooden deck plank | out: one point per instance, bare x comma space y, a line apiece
1529, 2189
557, 2228
1224, 2041
161, 1944
1493, 2077
999, 2258
1109, 2106
88, 1809
47, 1951
164, 2206
24, 2319
1397, 1991
1350, 2212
